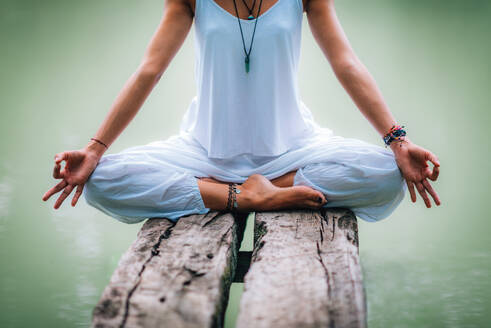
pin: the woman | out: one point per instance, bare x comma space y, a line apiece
247, 142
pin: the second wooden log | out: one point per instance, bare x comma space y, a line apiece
305, 271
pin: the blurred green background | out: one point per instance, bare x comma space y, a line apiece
63, 62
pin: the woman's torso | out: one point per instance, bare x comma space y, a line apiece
259, 113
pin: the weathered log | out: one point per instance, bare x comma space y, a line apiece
174, 274
305, 271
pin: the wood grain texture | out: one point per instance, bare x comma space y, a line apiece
305, 271
174, 274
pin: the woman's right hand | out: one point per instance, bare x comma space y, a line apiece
79, 165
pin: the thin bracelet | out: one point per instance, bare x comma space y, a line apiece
98, 141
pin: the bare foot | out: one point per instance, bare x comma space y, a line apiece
259, 194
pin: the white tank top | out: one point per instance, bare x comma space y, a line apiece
258, 113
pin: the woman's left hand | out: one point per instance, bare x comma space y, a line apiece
413, 163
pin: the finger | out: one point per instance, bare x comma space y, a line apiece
78, 192
434, 174
432, 158
62, 184
432, 192
56, 171
412, 192
61, 157
424, 195
68, 189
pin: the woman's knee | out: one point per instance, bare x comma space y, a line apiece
343, 180
135, 190
382, 181
95, 190
110, 182
392, 183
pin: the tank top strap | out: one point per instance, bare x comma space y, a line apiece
205, 8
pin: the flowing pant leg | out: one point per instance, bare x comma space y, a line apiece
134, 185
364, 179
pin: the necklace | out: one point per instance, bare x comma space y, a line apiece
247, 53
251, 16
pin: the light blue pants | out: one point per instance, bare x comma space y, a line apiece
160, 179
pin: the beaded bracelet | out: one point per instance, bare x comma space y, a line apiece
100, 142
396, 133
232, 198
229, 201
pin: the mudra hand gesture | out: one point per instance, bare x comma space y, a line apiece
413, 163
79, 165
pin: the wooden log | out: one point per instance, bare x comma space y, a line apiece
305, 271
174, 274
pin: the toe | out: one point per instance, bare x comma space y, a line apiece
320, 198
317, 197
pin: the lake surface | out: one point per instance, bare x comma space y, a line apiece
63, 62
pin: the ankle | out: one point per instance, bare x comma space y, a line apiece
247, 200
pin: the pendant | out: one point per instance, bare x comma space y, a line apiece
250, 17
247, 64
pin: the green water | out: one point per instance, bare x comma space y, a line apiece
63, 62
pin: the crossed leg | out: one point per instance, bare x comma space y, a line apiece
371, 188
260, 194
359, 176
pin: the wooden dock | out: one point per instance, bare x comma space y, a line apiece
304, 271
